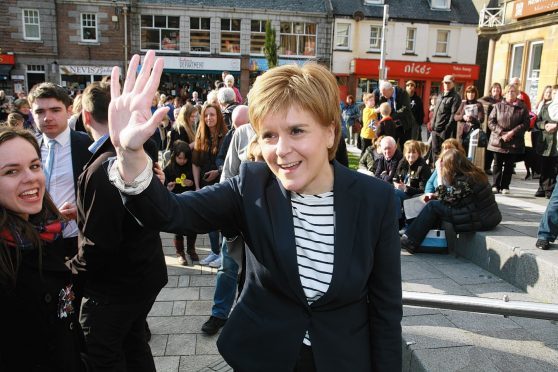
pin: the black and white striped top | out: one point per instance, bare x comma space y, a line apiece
314, 224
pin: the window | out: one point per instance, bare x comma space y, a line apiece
375, 37
410, 42
297, 38
440, 4
516, 61
89, 27
160, 32
199, 34
31, 24
230, 35
533, 70
442, 42
373, 2
342, 35
257, 37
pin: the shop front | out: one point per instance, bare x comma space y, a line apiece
427, 75
77, 77
183, 75
259, 65
7, 62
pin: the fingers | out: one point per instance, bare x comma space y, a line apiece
155, 119
154, 78
115, 83
143, 76
131, 75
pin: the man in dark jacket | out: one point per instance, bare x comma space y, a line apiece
387, 164
400, 108
444, 126
227, 101
416, 108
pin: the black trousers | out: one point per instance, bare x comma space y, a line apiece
115, 335
502, 170
548, 173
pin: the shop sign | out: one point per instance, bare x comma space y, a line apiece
260, 64
526, 8
198, 63
18, 77
85, 70
7, 59
417, 70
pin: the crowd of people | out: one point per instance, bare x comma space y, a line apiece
311, 248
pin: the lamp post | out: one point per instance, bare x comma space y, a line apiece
383, 69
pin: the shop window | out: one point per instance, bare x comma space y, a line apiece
533, 70
411, 40
297, 39
442, 43
516, 60
89, 27
375, 38
257, 36
440, 4
230, 36
31, 24
342, 35
160, 33
200, 30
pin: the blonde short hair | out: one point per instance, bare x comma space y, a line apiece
412, 146
311, 88
385, 109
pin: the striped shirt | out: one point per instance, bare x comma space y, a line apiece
314, 224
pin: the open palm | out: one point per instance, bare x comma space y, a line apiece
131, 122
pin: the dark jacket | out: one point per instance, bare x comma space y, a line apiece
124, 260
414, 176
35, 337
386, 169
446, 107
417, 109
506, 117
387, 127
401, 107
476, 212
544, 142
354, 327
178, 134
227, 114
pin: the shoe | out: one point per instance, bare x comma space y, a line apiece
194, 256
505, 191
182, 260
548, 195
408, 244
213, 325
215, 264
542, 244
210, 258
495, 190
539, 194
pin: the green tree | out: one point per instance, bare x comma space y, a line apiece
270, 47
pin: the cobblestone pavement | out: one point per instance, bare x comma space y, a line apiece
177, 342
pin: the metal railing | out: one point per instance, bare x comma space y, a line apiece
504, 307
491, 17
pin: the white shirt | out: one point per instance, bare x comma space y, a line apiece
314, 228
62, 176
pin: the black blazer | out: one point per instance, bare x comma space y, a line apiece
355, 326
79, 143
125, 261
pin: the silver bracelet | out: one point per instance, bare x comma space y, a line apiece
138, 185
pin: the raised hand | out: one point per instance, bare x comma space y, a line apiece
130, 120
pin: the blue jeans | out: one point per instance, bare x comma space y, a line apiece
548, 228
225, 289
433, 213
214, 241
